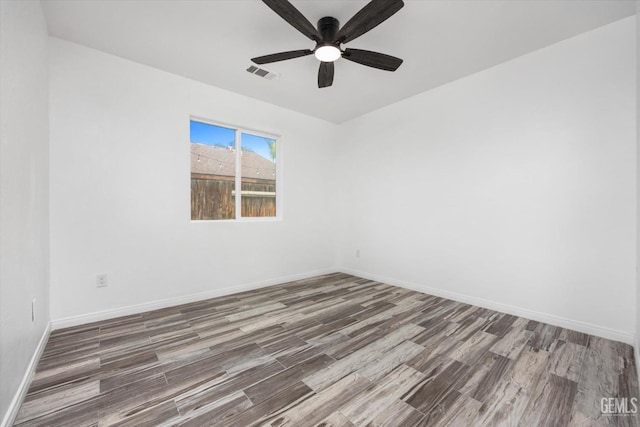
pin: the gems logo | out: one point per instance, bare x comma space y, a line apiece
619, 406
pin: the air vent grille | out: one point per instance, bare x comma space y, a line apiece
261, 72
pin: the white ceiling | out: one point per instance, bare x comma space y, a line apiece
212, 41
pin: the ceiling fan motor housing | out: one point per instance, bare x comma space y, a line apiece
328, 28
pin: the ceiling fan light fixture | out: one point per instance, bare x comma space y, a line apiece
327, 53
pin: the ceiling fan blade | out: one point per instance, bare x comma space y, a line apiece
369, 17
325, 74
281, 56
293, 16
372, 59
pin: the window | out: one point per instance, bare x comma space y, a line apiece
224, 159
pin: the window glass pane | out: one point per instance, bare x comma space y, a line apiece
258, 159
213, 171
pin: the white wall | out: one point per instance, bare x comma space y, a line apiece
120, 189
24, 194
512, 188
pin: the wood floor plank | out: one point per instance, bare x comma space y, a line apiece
367, 405
429, 392
551, 403
336, 419
578, 419
369, 353
263, 389
332, 350
313, 347
501, 325
83, 414
484, 376
213, 412
224, 384
66, 373
464, 412
320, 405
356, 343
507, 404
512, 343
545, 337
390, 360
282, 399
566, 360
146, 417
46, 402
473, 349
399, 413
253, 312
599, 376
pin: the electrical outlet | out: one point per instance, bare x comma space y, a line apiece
101, 280
33, 310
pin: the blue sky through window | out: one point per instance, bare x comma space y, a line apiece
205, 133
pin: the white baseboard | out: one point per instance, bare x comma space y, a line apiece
551, 319
504, 308
169, 302
18, 397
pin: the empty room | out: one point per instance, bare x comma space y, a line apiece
319, 213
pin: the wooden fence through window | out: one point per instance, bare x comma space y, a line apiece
213, 197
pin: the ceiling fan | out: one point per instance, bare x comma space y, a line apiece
329, 36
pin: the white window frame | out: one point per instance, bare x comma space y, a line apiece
239, 130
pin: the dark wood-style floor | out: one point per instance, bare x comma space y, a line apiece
334, 350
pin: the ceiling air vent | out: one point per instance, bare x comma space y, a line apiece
262, 72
